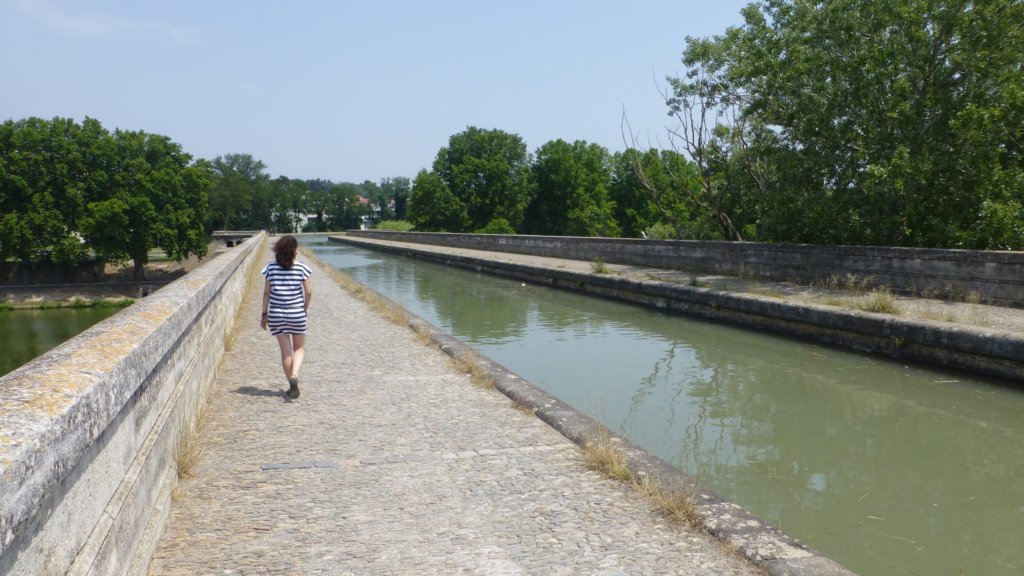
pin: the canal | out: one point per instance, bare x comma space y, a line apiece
25, 334
884, 467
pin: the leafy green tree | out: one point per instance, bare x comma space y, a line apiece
389, 200
634, 209
156, 199
344, 209
397, 190
571, 195
240, 197
433, 207
289, 203
488, 173
894, 123
47, 170
317, 201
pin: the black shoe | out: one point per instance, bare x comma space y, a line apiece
293, 387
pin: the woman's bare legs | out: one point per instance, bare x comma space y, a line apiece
298, 352
287, 353
293, 351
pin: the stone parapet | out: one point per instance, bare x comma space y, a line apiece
996, 276
88, 431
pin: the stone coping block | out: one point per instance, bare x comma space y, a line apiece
997, 276
101, 391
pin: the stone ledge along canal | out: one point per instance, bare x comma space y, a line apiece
885, 468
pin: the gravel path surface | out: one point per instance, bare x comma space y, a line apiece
393, 462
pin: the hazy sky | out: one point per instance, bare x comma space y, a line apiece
345, 90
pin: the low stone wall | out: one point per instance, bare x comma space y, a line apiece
997, 277
89, 430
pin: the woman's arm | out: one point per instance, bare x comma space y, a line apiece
309, 293
266, 304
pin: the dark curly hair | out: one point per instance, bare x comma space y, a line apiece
284, 251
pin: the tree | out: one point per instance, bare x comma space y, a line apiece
289, 203
894, 123
240, 197
392, 202
433, 207
47, 170
317, 201
344, 208
487, 172
571, 191
156, 199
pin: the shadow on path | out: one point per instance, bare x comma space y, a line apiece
254, 391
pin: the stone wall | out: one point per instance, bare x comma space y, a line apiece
88, 431
997, 277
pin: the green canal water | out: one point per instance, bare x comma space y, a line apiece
884, 467
25, 334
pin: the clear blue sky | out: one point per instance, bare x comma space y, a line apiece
345, 90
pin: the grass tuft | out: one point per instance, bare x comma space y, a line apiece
602, 455
881, 300
423, 334
598, 266
470, 363
188, 450
523, 407
676, 505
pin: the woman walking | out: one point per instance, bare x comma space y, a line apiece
286, 296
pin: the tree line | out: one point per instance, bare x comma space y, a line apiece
70, 192
243, 196
896, 123
75, 192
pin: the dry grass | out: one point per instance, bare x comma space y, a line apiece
676, 505
880, 300
423, 334
602, 455
971, 312
470, 363
857, 293
523, 407
188, 449
762, 291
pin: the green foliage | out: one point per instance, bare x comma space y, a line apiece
68, 190
241, 195
434, 208
661, 231
854, 121
496, 226
571, 191
634, 209
395, 225
486, 175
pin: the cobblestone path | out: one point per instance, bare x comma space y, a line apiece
393, 462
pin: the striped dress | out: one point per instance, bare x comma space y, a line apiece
286, 313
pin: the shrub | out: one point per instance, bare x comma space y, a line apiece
395, 225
